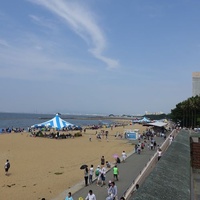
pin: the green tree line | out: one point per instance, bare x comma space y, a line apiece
187, 113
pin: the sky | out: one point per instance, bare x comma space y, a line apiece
97, 57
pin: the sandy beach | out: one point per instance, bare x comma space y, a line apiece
42, 167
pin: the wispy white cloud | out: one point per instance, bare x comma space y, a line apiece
31, 59
43, 22
82, 21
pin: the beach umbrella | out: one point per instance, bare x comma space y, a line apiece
83, 166
115, 156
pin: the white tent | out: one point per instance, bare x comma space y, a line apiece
158, 124
144, 120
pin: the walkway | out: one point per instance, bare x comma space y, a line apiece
128, 172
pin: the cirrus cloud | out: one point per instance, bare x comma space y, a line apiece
82, 21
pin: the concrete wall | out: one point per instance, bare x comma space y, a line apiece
171, 178
195, 154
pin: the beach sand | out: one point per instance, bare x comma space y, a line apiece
42, 167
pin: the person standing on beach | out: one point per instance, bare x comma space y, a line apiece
102, 161
7, 167
69, 197
91, 172
86, 176
90, 196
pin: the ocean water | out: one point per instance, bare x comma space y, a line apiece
22, 120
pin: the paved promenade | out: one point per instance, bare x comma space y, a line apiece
128, 172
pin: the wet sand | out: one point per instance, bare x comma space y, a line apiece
42, 167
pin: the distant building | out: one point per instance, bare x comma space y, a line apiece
195, 83
154, 113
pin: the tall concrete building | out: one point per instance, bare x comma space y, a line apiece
195, 83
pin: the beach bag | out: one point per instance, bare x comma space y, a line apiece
97, 172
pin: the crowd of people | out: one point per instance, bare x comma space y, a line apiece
145, 141
98, 174
52, 135
10, 130
148, 140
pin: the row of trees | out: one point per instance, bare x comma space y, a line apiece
187, 113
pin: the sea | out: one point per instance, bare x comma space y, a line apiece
24, 120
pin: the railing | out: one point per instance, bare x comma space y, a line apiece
148, 168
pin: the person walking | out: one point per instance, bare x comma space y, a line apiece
112, 192
69, 196
154, 144
90, 196
86, 176
170, 139
103, 176
159, 154
139, 149
151, 145
91, 172
124, 156
116, 173
7, 167
98, 174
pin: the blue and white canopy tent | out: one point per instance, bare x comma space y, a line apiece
56, 123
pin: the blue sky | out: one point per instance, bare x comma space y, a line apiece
102, 56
